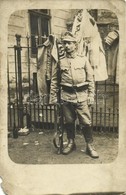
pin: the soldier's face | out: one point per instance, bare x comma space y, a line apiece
69, 46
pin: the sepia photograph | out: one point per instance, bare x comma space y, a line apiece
63, 86
62, 82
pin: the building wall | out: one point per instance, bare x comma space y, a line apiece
58, 21
19, 24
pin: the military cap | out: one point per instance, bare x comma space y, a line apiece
111, 37
68, 36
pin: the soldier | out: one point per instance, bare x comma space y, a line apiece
77, 94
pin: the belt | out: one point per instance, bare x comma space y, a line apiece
74, 88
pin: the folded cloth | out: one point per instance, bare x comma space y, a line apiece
90, 43
111, 37
23, 131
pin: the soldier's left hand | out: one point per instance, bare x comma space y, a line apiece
90, 100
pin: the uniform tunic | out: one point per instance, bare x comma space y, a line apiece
76, 74
77, 84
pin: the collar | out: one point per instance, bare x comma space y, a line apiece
71, 55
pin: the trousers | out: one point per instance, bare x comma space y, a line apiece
81, 110
73, 110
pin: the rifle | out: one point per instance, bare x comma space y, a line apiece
58, 136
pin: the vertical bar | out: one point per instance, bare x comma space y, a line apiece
8, 115
30, 112
23, 118
49, 24
117, 119
36, 45
42, 117
55, 118
16, 73
28, 38
51, 108
34, 110
9, 109
43, 97
28, 116
29, 79
16, 116
25, 115
101, 119
49, 116
46, 109
29, 73
14, 113
113, 121
35, 87
15, 56
105, 107
26, 109
92, 115
61, 122
96, 103
18, 39
38, 116
109, 117
8, 81
114, 104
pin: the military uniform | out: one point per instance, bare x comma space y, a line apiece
77, 86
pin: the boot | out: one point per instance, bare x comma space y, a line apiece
70, 130
71, 146
90, 150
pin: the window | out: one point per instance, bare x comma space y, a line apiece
39, 26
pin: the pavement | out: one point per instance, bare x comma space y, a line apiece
37, 148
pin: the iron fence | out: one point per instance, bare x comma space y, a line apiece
25, 109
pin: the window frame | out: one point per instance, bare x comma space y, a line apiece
40, 15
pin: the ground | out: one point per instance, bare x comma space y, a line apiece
37, 148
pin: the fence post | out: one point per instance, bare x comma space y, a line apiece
28, 58
18, 48
35, 85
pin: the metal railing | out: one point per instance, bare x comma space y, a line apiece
105, 113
